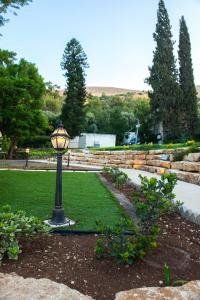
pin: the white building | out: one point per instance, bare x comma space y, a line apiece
96, 140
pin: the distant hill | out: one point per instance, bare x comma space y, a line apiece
112, 91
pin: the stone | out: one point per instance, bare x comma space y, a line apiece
140, 156
139, 162
159, 163
14, 287
187, 176
192, 157
186, 166
189, 291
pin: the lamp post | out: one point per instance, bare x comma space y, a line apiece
137, 129
68, 158
27, 150
60, 141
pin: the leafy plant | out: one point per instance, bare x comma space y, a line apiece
180, 155
190, 143
118, 177
14, 226
167, 275
127, 241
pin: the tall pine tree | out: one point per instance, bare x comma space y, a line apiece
165, 94
74, 63
188, 107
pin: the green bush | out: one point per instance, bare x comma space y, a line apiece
38, 141
14, 226
127, 248
118, 177
180, 155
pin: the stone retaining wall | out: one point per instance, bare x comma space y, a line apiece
154, 161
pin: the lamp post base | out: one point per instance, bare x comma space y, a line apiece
58, 219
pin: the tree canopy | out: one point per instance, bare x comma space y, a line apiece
21, 91
166, 94
74, 63
188, 109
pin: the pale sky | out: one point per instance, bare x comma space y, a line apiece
115, 34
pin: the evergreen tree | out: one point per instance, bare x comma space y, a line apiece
74, 62
186, 78
165, 94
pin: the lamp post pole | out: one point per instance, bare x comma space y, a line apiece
60, 141
58, 212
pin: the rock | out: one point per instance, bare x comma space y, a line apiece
14, 287
159, 163
189, 291
192, 157
186, 166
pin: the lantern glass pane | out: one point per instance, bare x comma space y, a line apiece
60, 142
53, 141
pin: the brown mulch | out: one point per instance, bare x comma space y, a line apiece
71, 260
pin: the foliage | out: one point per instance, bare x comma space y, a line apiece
165, 96
123, 242
159, 199
117, 115
42, 153
73, 63
11, 6
145, 147
14, 226
6, 142
190, 143
167, 275
128, 242
188, 107
21, 90
118, 177
179, 156
38, 141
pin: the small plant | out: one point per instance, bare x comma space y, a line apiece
118, 177
180, 155
127, 241
167, 275
170, 145
14, 226
190, 143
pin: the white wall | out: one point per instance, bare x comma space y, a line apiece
93, 140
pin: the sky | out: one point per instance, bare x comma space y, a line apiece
116, 36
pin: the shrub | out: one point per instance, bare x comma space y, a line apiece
180, 155
118, 177
190, 143
127, 241
14, 226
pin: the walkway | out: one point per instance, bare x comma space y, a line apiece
185, 192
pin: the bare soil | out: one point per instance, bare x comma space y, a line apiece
71, 260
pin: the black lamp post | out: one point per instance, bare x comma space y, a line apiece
60, 141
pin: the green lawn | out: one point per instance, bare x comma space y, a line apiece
85, 199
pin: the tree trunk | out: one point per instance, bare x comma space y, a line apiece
12, 148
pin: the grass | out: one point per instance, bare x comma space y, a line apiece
85, 199
147, 147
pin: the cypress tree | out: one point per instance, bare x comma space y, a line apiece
165, 94
74, 63
188, 107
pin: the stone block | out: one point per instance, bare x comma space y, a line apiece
139, 162
186, 166
187, 291
140, 156
192, 157
14, 287
159, 163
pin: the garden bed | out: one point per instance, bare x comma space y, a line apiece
71, 260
